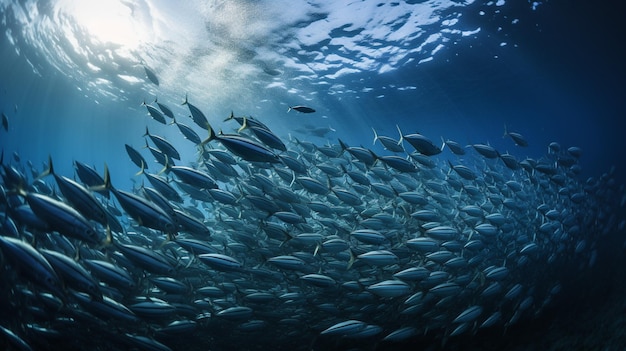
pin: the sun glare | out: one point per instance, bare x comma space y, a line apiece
108, 21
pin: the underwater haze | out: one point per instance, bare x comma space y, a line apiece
333, 175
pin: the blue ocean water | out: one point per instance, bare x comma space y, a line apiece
457, 70
72, 78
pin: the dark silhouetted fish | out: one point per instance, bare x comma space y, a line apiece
302, 109
5, 122
151, 76
198, 117
154, 113
243, 147
517, 138
166, 110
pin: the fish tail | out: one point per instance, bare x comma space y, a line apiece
376, 158
293, 179
141, 170
352, 259
375, 136
166, 167
289, 109
47, 171
343, 145
185, 102
401, 136
211, 136
232, 116
244, 125
147, 133
107, 180
505, 131
173, 121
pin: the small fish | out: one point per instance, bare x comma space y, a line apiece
518, 139
78, 196
151, 76
154, 113
141, 210
62, 218
302, 109
163, 145
486, 151
87, 174
136, 157
187, 131
249, 121
245, 148
166, 110
455, 147
197, 115
422, 144
265, 135
5, 122
31, 263
389, 143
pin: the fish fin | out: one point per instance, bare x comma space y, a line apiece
376, 158
166, 167
141, 171
401, 136
49, 170
293, 178
244, 125
211, 136
107, 177
352, 259
451, 166
375, 136
232, 116
343, 145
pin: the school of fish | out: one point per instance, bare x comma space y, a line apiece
277, 242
